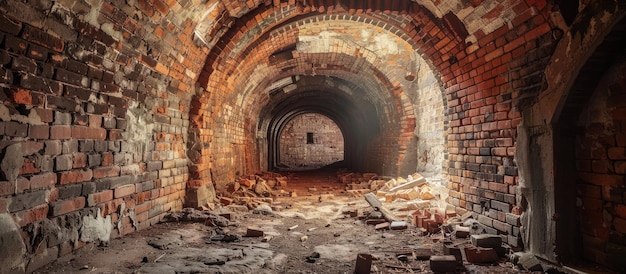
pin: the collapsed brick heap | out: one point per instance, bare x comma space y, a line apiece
252, 190
415, 203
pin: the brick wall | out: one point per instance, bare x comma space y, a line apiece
484, 71
601, 166
430, 127
104, 103
93, 118
326, 146
485, 90
349, 62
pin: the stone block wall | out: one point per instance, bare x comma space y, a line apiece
326, 147
94, 100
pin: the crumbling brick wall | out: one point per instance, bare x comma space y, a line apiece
311, 141
93, 118
111, 111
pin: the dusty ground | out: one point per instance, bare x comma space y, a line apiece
322, 231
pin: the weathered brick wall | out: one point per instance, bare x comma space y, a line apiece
486, 56
485, 90
353, 61
97, 98
601, 166
326, 147
93, 118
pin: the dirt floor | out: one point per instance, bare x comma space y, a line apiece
309, 234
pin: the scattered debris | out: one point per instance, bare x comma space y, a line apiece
461, 231
158, 258
403, 258
399, 208
454, 250
375, 203
527, 261
193, 215
251, 232
486, 240
398, 225
480, 255
221, 236
423, 253
382, 226
445, 263
363, 264
313, 257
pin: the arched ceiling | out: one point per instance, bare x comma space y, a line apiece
374, 52
376, 49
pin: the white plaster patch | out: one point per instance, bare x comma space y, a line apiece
96, 228
385, 45
109, 29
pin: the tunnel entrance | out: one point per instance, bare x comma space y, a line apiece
324, 117
372, 82
587, 146
310, 141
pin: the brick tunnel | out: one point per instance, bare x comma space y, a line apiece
115, 113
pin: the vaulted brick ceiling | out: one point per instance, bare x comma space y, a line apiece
376, 47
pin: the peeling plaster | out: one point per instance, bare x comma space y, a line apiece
96, 228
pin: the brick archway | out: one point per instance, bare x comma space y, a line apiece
554, 193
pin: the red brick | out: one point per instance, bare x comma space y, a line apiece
107, 159
42, 38
503, 188
602, 179
95, 121
7, 188
29, 167
108, 171
46, 180
100, 197
31, 215
124, 190
21, 184
20, 96
39, 131
80, 132
60, 132
620, 225
480, 255
536, 32
67, 206
620, 210
75, 176
144, 207
115, 134
617, 153
45, 115
443, 264
79, 160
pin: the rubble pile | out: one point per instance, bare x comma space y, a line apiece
417, 204
254, 190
